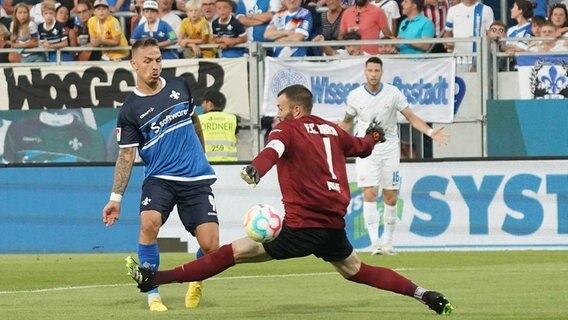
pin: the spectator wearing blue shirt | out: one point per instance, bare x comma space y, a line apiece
156, 28
415, 26
256, 15
228, 31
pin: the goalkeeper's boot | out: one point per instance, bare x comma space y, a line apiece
437, 302
142, 275
157, 305
193, 295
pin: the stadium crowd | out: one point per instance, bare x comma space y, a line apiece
210, 29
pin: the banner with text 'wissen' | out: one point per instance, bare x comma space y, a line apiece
428, 84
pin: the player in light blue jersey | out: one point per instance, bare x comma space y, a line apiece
158, 120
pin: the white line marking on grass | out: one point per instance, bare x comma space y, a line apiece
291, 275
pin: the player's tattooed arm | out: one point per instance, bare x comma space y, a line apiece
198, 130
123, 169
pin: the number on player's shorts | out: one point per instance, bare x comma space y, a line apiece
395, 177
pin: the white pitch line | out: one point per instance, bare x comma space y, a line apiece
291, 275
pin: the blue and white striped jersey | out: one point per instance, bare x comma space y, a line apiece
161, 127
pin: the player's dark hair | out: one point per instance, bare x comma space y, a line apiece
143, 43
298, 94
374, 60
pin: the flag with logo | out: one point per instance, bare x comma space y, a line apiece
543, 76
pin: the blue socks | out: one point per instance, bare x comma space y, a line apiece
199, 254
149, 256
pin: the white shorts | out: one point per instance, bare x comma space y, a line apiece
379, 169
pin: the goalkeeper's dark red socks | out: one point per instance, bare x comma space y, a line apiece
385, 279
200, 269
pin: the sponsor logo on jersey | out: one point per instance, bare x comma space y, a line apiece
32, 139
157, 126
146, 112
118, 132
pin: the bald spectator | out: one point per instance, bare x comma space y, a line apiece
368, 20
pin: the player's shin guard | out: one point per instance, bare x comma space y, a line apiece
371, 215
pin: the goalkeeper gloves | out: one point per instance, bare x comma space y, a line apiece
376, 132
250, 175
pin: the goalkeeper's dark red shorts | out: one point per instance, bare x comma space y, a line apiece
330, 245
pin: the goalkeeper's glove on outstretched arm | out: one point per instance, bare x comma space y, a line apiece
250, 175
376, 132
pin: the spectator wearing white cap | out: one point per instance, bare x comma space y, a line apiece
165, 13
156, 28
105, 31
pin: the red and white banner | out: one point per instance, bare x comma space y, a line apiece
428, 84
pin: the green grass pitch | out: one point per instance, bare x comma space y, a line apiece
481, 285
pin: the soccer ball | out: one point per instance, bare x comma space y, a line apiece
262, 223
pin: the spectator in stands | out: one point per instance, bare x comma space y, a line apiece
105, 31
536, 23
521, 11
156, 28
52, 34
62, 15
291, 25
256, 15
369, 20
331, 21
496, 31
137, 10
35, 11
219, 128
437, 10
392, 11
195, 30
228, 31
4, 43
350, 49
208, 10
470, 18
415, 26
559, 18
548, 30
166, 14
24, 35
6, 8
84, 13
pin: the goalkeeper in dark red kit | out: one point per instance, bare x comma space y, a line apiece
310, 156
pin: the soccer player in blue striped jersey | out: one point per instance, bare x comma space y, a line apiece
158, 120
